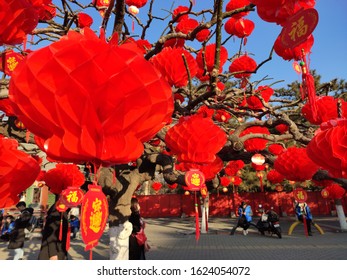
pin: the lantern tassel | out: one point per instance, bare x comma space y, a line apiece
68, 236
90, 254
197, 228
61, 227
261, 183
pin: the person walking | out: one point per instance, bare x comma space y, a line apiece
74, 225
244, 218
137, 246
53, 244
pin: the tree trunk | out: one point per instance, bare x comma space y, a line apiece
340, 214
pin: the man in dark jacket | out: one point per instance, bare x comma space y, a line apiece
52, 247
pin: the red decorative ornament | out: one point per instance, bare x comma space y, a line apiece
17, 19
7, 107
279, 188
194, 179
195, 139
335, 191
324, 193
203, 35
174, 43
205, 112
156, 186
225, 181
244, 64
143, 45
258, 167
282, 128
63, 176
126, 100
294, 164
178, 11
136, 3
170, 63
233, 167
210, 51
173, 186
94, 215
241, 28
326, 110
72, 196
254, 102
236, 180
187, 25
255, 144
328, 147
18, 172
222, 116
274, 177
275, 149
9, 61
84, 20
237, 4
300, 195
45, 9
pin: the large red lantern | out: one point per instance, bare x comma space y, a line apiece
328, 147
255, 144
171, 64
126, 101
195, 139
243, 64
17, 19
18, 171
94, 214
294, 164
187, 25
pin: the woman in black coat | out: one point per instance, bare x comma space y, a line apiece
51, 247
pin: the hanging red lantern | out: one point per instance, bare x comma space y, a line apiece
210, 52
171, 64
324, 193
294, 164
222, 116
326, 110
18, 172
17, 19
195, 139
126, 100
300, 195
6, 107
174, 43
194, 179
203, 35
335, 191
274, 177
244, 64
94, 214
136, 3
186, 25
178, 11
84, 20
233, 167
258, 167
225, 181
236, 180
282, 128
9, 61
255, 144
258, 159
276, 149
63, 176
237, 4
72, 196
45, 9
253, 101
156, 186
241, 28
328, 147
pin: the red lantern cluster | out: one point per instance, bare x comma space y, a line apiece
243, 64
171, 64
63, 176
328, 147
45, 9
17, 19
195, 139
255, 144
274, 177
294, 164
18, 171
125, 101
326, 110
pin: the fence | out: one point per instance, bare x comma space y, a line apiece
223, 205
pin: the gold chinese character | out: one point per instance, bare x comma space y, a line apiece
195, 180
96, 216
301, 195
299, 29
12, 63
72, 196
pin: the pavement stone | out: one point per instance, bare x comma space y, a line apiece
174, 239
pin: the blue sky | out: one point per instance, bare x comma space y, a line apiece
329, 52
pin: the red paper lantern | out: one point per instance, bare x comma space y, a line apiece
45, 9
276, 149
335, 191
17, 19
328, 147
136, 3
254, 102
125, 101
236, 180
210, 52
222, 116
171, 64
9, 61
282, 128
255, 144
187, 25
180, 10
72, 196
233, 167
63, 176
237, 4
84, 20
324, 193
274, 177
203, 35
174, 43
195, 139
156, 186
300, 195
326, 110
225, 181
194, 179
258, 167
18, 172
294, 164
243, 64
239, 27
7, 107
94, 215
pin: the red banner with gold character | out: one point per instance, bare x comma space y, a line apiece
94, 214
194, 179
72, 196
300, 195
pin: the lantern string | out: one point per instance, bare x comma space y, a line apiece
68, 236
61, 227
197, 228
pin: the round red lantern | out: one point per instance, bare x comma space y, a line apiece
194, 179
324, 193
156, 186
237, 4
279, 188
125, 101
300, 195
243, 64
210, 52
233, 167
179, 11
293, 53
274, 177
195, 139
72, 196
276, 149
255, 144
136, 3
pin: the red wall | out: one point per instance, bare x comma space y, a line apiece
221, 205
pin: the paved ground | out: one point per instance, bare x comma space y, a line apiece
174, 239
